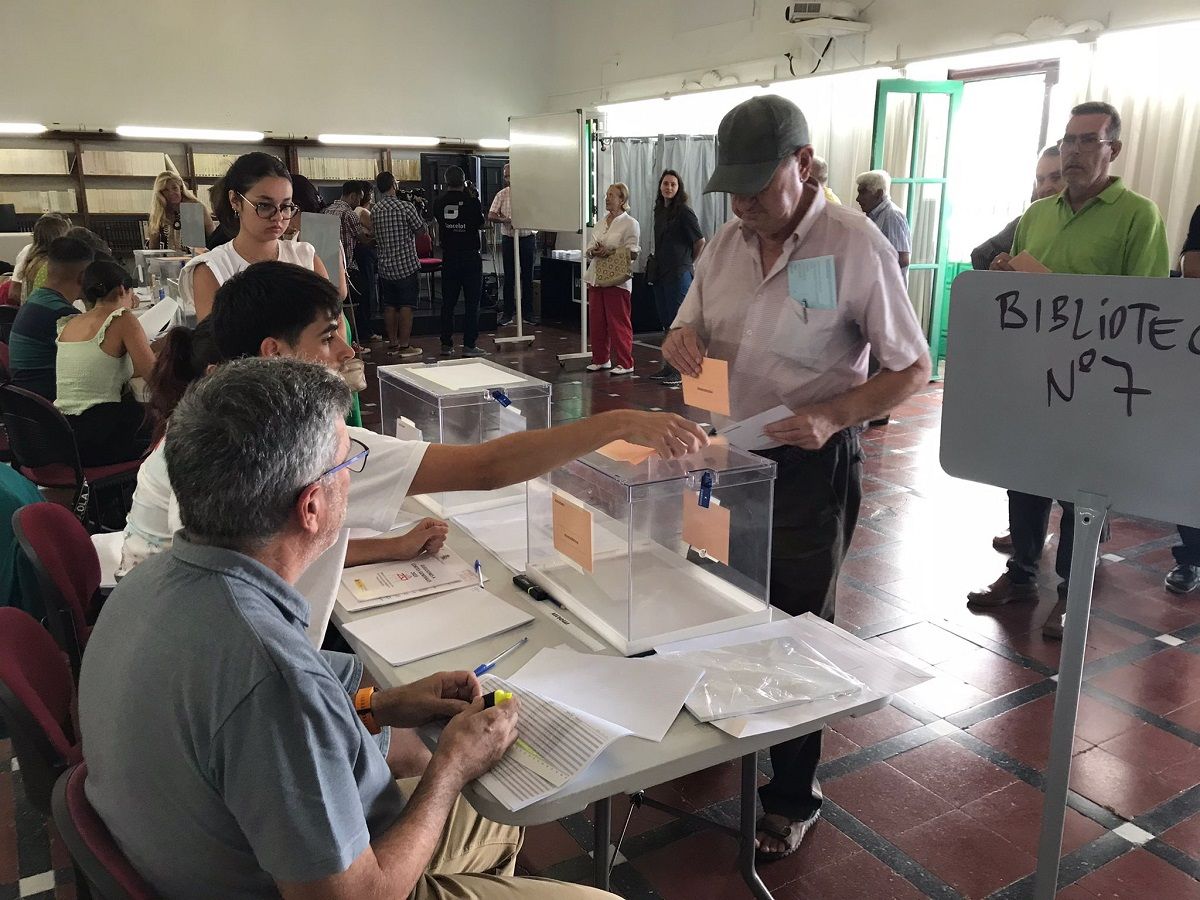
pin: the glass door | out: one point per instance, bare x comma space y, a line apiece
912, 138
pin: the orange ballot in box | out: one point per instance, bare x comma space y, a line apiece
624, 451
709, 390
572, 531
706, 528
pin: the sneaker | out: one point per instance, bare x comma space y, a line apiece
673, 380
621, 370
474, 351
662, 374
530, 322
506, 322
598, 367
447, 350
408, 352
1182, 579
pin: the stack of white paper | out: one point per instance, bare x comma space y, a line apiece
501, 530
437, 625
379, 584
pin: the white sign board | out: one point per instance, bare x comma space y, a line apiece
1061, 384
191, 224
325, 234
546, 168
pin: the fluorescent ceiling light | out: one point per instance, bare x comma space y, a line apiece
188, 134
379, 140
21, 128
493, 143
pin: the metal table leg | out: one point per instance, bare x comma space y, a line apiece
602, 833
749, 819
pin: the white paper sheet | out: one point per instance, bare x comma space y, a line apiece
391, 582
158, 317
642, 696
554, 744
502, 530
464, 377
747, 434
108, 548
425, 628
882, 673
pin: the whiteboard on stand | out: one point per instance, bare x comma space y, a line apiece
1062, 384
546, 158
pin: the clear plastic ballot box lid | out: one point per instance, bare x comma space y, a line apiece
647, 551
461, 401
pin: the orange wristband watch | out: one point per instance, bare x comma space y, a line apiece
362, 706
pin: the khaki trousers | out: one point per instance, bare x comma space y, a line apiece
476, 858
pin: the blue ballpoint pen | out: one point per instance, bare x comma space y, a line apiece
491, 664
479, 572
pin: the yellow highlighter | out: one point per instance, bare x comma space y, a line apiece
494, 698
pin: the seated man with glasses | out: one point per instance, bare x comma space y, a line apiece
1096, 226
224, 753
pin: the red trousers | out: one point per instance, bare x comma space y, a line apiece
610, 325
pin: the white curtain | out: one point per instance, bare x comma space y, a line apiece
694, 157
634, 164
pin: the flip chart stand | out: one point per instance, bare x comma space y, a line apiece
520, 337
1091, 510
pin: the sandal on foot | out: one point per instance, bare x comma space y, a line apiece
789, 832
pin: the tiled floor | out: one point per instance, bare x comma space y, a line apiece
938, 795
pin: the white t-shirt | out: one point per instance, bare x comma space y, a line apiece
18, 271
224, 262
624, 231
375, 497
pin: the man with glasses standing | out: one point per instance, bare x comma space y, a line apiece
1096, 226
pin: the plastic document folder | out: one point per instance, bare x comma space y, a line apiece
444, 622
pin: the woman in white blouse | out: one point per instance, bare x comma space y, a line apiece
608, 305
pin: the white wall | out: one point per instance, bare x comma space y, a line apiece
292, 67
625, 49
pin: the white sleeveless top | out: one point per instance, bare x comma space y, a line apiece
224, 263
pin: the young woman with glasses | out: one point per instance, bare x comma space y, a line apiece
254, 203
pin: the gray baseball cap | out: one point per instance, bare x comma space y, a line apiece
754, 136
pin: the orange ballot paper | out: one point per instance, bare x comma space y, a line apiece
1027, 262
623, 451
706, 529
711, 389
572, 530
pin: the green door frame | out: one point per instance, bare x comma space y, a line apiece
953, 89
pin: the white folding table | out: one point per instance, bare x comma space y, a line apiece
630, 765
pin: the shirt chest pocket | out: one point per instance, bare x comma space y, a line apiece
804, 336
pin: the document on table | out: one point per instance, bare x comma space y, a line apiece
748, 433
502, 531
881, 673
642, 696
158, 317
710, 389
391, 582
436, 625
554, 744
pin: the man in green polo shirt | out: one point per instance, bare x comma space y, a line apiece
1096, 226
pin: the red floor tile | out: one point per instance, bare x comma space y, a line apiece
944, 696
546, 845
1024, 733
1158, 689
703, 864
972, 859
1015, 813
875, 727
885, 799
708, 786
1139, 875
856, 609
1153, 749
951, 771
1185, 836
835, 745
859, 877
989, 672
929, 643
1128, 789
1187, 716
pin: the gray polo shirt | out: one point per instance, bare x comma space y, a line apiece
223, 750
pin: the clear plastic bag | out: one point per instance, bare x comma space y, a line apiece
756, 677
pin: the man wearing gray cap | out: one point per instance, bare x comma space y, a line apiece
794, 294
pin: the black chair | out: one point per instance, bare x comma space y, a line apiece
8, 314
43, 448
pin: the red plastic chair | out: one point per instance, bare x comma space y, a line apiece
43, 446
104, 868
36, 694
429, 263
62, 555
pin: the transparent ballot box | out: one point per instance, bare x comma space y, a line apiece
462, 401
650, 551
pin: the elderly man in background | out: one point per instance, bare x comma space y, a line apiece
225, 755
873, 199
744, 307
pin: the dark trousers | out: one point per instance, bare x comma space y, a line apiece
364, 258
510, 298
817, 497
1188, 552
464, 275
1028, 521
110, 433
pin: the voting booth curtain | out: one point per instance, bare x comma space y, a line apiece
639, 161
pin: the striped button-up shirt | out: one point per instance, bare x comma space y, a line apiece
397, 224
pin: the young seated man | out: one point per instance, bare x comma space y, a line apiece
224, 754
279, 309
32, 350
